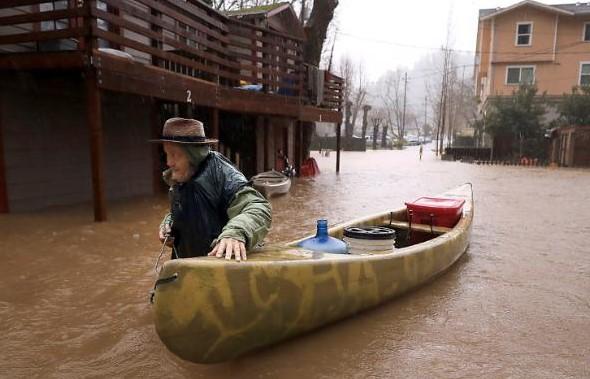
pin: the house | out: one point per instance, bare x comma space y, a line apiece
530, 42
85, 84
279, 17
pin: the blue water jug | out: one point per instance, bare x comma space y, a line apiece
323, 242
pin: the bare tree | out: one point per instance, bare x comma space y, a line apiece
346, 72
392, 96
347, 114
360, 94
443, 100
463, 104
316, 29
377, 117
366, 109
327, 62
384, 135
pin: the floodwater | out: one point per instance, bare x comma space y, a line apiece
74, 294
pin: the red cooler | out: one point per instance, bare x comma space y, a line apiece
438, 210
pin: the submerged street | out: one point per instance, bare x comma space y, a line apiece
74, 294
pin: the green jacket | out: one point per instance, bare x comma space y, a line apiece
216, 203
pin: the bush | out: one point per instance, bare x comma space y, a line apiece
518, 119
575, 107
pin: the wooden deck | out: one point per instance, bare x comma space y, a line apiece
171, 51
177, 51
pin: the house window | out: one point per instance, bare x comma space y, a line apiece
524, 33
587, 32
520, 75
585, 74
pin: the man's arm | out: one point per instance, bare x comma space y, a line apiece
249, 221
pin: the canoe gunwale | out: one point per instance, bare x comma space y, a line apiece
462, 226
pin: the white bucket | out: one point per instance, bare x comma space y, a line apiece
360, 246
369, 240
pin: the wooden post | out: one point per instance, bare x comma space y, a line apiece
4, 208
266, 144
291, 141
94, 120
338, 127
298, 145
260, 145
215, 125
156, 127
189, 110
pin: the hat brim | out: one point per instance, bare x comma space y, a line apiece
205, 142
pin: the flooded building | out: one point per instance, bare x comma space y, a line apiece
85, 85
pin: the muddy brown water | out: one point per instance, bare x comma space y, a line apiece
73, 293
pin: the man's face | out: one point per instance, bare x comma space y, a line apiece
177, 160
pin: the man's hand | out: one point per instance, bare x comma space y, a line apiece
165, 232
229, 247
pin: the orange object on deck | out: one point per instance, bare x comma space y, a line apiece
309, 167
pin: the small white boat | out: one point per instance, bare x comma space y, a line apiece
271, 183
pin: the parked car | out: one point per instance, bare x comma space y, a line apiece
412, 141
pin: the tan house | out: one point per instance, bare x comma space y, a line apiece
530, 42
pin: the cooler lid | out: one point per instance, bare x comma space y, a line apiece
437, 203
369, 232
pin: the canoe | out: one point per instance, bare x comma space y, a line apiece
209, 310
271, 183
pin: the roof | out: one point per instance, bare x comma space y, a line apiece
486, 12
577, 9
564, 9
259, 10
280, 17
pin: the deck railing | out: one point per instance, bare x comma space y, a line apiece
186, 37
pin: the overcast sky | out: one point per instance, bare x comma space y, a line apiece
386, 34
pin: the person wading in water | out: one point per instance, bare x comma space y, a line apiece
213, 210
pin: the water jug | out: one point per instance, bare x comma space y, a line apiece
323, 242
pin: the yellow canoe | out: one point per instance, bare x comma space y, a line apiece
209, 310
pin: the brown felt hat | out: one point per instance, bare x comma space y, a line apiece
184, 130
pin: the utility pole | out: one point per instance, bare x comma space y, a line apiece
404, 112
425, 110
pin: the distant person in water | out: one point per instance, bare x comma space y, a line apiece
213, 210
420, 151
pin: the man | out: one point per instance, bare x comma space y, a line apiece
213, 210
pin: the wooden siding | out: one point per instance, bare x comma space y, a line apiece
46, 148
187, 38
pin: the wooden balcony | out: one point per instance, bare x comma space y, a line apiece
85, 60
174, 50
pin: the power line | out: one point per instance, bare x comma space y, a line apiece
512, 53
